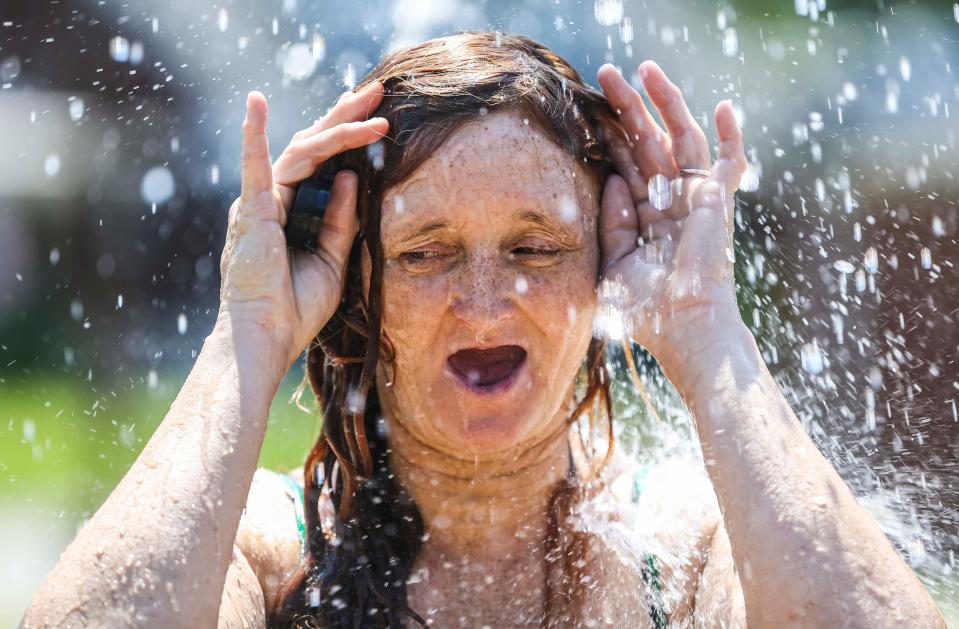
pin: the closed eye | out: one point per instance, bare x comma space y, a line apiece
534, 251
426, 258
421, 255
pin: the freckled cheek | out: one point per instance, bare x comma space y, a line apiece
413, 308
562, 298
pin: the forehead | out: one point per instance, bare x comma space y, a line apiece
497, 163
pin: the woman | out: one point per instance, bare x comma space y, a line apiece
449, 317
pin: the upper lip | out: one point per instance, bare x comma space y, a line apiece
488, 343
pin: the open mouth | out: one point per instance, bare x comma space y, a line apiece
488, 370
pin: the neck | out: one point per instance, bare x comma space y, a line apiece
487, 507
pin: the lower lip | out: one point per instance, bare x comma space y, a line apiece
493, 389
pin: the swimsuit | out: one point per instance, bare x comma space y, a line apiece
648, 570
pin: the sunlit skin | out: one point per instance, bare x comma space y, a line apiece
792, 548
482, 256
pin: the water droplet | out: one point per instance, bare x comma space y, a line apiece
730, 42
181, 323
299, 62
892, 99
905, 68
749, 182
608, 12
120, 49
136, 52
849, 91
356, 401
76, 108
843, 266
811, 358
626, 30
925, 257
51, 165
54, 256
870, 260
660, 194
522, 286
157, 185
349, 76
9, 69
938, 228
568, 210
222, 19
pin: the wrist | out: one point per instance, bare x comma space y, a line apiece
252, 342
704, 346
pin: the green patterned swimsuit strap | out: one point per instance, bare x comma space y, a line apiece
649, 571
295, 493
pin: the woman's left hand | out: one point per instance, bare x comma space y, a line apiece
667, 236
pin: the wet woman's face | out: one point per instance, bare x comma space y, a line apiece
491, 262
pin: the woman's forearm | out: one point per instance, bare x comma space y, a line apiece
157, 551
807, 553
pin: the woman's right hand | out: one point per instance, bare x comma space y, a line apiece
290, 295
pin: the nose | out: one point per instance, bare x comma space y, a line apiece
483, 294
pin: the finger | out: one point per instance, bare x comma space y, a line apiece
339, 222
707, 241
649, 214
689, 144
618, 224
350, 107
256, 170
301, 159
651, 145
731, 163
666, 229
626, 166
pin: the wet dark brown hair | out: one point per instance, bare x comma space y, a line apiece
355, 569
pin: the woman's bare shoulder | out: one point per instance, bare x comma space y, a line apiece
268, 534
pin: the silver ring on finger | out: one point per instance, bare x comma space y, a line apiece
695, 172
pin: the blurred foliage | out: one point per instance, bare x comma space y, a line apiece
69, 445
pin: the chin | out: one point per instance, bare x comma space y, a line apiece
478, 433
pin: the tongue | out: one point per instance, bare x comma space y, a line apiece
485, 367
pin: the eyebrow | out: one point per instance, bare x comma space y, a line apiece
543, 220
422, 230
531, 217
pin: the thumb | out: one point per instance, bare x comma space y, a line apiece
256, 169
340, 222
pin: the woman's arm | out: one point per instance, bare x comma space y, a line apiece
157, 552
807, 554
